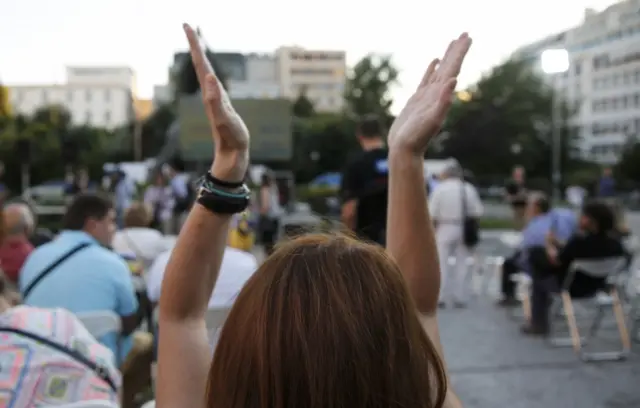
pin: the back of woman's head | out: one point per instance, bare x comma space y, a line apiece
325, 322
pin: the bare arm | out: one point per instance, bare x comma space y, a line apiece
184, 354
265, 202
410, 237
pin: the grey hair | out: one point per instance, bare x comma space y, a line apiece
453, 169
26, 221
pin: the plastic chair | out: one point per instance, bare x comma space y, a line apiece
101, 322
603, 300
150, 404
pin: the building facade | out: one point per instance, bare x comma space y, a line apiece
319, 75
287, 73
604, 77
95, 96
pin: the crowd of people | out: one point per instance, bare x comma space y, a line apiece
326, 320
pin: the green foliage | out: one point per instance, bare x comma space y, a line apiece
628, 166
45, 130
302, 107
368, 87
5, 105
506, 121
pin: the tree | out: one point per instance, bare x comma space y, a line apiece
302, 107
628, 167
368, 87
505, 120
5, 105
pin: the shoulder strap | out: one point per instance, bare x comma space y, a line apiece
464, 200
51, 267
100, 371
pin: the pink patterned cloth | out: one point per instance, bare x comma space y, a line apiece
33, 374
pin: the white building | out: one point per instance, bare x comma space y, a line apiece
604, 78
287, 73
320, 75
95, 96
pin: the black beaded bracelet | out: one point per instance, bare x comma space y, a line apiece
221, 183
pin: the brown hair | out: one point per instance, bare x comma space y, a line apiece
325, 322
138, 215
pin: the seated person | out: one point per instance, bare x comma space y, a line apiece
76, 272
51, 376
15, 248
540, 219
241, 234
137, 237
594, 240
236, 268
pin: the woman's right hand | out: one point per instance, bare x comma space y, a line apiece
228, 131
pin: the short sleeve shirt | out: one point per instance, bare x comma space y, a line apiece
93, 279
366, 179
34, 374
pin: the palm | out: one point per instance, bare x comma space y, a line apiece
228, 130
423, 115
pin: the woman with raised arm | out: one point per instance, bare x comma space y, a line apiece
326, 321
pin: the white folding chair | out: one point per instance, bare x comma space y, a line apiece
88, 404
150, 404
100, 323
607, 268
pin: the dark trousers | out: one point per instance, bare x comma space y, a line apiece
546, 281
509, 268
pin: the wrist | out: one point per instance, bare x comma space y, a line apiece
403, 158
230, 167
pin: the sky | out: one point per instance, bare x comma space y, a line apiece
38, 38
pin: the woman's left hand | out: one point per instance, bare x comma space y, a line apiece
228, 131
425, 112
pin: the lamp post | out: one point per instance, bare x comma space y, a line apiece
555, 61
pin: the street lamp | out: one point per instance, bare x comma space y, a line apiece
555, 61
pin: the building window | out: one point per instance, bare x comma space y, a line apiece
107, 95
107, 117
87, 95
70, 96
87, 118
45, 97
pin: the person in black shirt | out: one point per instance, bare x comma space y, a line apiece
364, 184
595, 240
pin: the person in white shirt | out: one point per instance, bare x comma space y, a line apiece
138, 238
160, 197
448, 212
237, 267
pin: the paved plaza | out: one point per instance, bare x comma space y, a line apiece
493, 365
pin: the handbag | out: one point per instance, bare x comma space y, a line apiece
470, 226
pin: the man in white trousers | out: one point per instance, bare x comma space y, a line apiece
448, 213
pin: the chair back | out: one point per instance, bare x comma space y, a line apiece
88, 404
600, 268
101, 322
150, 404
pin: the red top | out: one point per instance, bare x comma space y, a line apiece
13, 253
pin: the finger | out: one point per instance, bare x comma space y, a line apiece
445, 98
428, 75
454, 57
444, 62
212, 96
200, 62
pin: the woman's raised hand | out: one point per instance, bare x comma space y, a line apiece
425, 112
229, 133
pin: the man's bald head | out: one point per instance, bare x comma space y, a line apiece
18, 219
